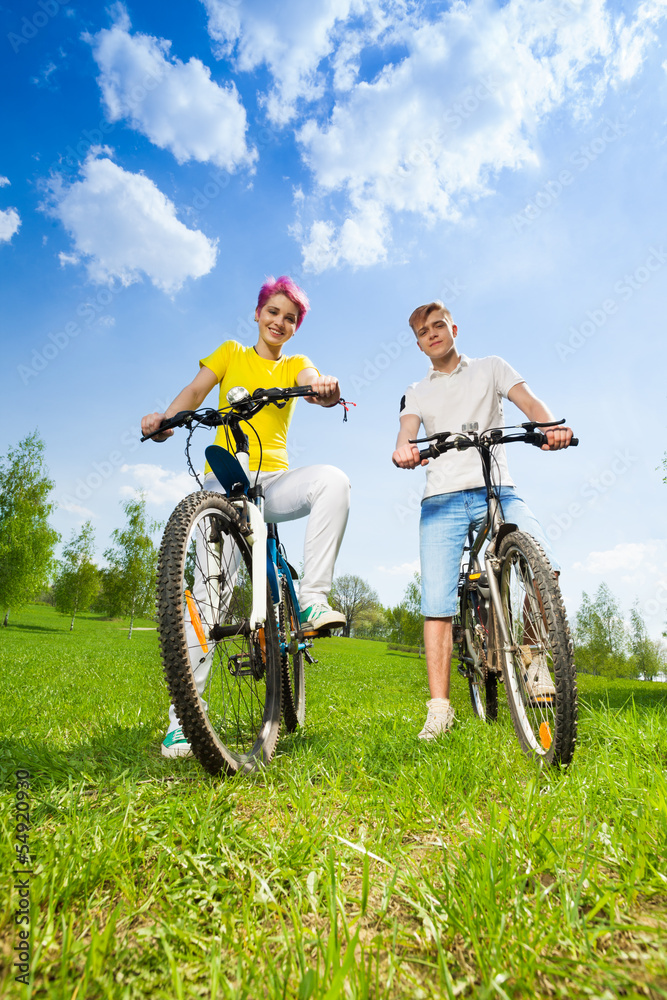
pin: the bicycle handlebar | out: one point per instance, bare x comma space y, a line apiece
493, 436
245, 407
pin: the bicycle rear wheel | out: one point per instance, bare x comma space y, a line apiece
224, 678
538, 666
292, 658
482, 682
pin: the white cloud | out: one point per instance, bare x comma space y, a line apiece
75, 508
638, 559
68, 258
10, 221
293, 40
360, 241
432, 131
124, 227
405, 569
160, 485
635, 37
4, 181
175, 104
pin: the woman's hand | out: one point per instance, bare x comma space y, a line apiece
151, 422
327, 389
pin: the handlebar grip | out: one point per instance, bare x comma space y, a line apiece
538, 438
169, 423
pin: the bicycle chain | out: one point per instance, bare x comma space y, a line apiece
282, 629
481, 635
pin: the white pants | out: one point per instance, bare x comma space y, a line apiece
323, 493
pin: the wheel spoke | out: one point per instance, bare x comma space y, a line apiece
537, 664
226, 689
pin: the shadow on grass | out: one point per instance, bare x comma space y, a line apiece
404, 656
32, 628
112, 751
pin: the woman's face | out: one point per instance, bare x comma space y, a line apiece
277, 320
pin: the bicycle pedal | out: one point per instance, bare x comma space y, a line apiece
540, 700
322, 633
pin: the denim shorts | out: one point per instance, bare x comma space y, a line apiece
443, 530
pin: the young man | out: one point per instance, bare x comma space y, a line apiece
320, 491
460, 390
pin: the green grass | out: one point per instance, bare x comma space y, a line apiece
361, 863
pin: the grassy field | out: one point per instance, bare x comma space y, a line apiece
362, 863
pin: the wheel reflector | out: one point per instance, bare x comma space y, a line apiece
196, 621
545, 735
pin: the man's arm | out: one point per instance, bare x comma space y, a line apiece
189, 398
406, 455
326, 386
535, 409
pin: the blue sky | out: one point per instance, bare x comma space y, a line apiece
160, 160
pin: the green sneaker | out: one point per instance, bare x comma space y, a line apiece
175, 744
319, 616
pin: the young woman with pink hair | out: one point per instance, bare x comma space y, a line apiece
320, 491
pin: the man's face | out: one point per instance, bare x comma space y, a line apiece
436, 334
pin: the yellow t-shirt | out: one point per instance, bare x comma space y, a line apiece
234, 365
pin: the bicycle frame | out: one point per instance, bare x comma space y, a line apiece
493, 528
268, 562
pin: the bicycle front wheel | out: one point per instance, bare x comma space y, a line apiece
538, 664
482, 682
294, 682
224, 677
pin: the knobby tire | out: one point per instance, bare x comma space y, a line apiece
224, 680
482, 682
544, 715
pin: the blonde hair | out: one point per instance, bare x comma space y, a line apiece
419, 316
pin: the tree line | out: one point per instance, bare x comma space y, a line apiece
605, 642
29, 569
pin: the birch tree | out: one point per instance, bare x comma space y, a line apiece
27, 540
129, 582
77, 580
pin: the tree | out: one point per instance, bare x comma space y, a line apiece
27, 540
78, 579
600, 635
355, 599
373, 624
647, 654
128, 585
406, 620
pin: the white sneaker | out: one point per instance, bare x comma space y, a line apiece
439, 720
175, 744
539, 686
319, 616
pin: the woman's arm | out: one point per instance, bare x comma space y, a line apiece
189, 398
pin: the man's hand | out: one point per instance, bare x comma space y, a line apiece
557, 438
151, 422
407, 457
327, 389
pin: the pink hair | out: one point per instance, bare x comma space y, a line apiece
285, 286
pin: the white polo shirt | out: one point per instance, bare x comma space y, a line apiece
444, 401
